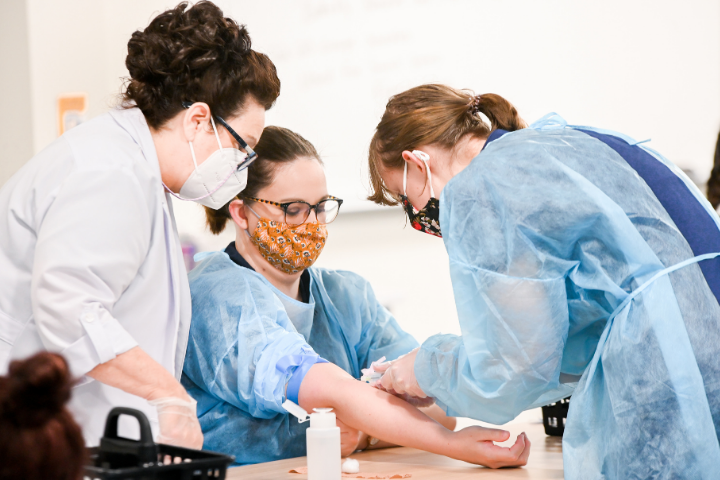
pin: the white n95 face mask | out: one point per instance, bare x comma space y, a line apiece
217, 180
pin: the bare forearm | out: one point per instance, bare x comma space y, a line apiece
437, 414
433, 411
137, 373
372, 411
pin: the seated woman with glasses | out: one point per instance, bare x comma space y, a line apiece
266, 327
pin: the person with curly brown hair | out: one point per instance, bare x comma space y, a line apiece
90, 260
39, 439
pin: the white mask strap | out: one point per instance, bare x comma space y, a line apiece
405, 180
424, 157
192, 152
212, 120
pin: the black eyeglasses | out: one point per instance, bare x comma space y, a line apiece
297, 213
251, 155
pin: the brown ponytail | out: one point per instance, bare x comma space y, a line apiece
38, 437
276, 146
432, 114
501, 113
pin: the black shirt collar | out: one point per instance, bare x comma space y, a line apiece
239, 260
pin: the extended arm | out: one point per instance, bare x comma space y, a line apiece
384, 416
363, 439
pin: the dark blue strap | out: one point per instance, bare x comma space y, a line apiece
494, 135
691, 218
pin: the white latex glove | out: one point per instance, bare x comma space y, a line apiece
399, 379
179, 424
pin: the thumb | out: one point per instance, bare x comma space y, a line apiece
381, 367
495, 434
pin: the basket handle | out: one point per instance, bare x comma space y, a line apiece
111, 424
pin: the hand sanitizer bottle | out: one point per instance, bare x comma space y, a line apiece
323, 442
323, 446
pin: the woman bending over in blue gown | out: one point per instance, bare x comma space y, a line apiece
267, 326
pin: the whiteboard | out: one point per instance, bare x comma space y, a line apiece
646, 69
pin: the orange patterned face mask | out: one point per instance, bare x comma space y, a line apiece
290, 249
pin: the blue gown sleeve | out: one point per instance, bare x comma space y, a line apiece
242, 347
524, 259
370, 327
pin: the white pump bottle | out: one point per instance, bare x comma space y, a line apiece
323, 442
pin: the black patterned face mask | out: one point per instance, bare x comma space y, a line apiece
428, 218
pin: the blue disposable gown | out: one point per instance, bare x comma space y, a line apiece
244, 334
549, 231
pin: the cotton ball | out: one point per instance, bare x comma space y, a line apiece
350, 465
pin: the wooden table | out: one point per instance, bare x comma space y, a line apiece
545, 462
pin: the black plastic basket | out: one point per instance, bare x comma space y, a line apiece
119, 458
554, 417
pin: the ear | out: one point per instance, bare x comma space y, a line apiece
413, 161
197, 118
237, 212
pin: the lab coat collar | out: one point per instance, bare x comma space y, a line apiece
133, 121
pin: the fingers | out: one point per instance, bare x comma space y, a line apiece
388, 381
478, 433
349, 438
347, 448
515, 456
526, 453
496, 434
381, 367
519, 447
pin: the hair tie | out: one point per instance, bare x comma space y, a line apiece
475, 105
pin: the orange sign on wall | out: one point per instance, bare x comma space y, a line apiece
72, 108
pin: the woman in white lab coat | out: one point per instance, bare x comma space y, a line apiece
90, 262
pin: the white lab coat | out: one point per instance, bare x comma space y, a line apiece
90, 260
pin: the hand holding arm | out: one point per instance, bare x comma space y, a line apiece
399, 379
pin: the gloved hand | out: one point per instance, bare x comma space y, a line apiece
399, 379
178, 420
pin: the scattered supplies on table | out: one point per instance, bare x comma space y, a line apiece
369, 476
350, 465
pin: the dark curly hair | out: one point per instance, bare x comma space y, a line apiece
195, 55
39, 438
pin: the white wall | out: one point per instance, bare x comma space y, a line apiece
648, 69
16, 140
